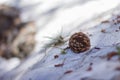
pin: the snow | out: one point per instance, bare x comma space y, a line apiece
70, 16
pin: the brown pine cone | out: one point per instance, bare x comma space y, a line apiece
79, 42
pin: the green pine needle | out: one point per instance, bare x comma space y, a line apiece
63, 52
118, 50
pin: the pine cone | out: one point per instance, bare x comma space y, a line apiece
79, 42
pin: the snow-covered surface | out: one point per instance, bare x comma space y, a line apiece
70, 16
